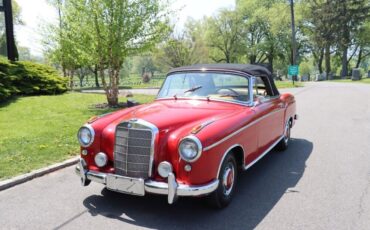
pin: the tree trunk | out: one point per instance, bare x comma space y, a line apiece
71, 80
271, 63
359, 59
252, 59
112, 100
112, 93
320, 61
344, 71
96, 76
327, 61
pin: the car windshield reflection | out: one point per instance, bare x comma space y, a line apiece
218, 86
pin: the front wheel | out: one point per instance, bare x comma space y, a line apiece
222, 196
284, 143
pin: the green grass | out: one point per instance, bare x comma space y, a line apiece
288, 84
40, 130
363, 80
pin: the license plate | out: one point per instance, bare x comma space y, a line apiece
133, 186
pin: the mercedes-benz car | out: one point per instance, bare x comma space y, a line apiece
207, 124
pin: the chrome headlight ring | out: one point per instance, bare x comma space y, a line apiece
190, 148
90, 133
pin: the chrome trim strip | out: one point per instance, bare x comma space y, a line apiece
239, 130
249, 104
264, 153
225, 153
91, 175
97, 177
182, 189
202, 126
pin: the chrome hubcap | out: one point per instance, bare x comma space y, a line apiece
228, 179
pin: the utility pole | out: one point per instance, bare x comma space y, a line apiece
293, 37
6, 7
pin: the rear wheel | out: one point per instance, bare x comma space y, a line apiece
284, 143
222, 196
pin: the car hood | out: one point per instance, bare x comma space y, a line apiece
172, 114
173, 118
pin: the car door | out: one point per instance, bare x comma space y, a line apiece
270, 113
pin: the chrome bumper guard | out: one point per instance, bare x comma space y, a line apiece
172, 189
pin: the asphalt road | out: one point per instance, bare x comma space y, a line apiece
321, 182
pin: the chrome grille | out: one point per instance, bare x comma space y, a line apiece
133, 149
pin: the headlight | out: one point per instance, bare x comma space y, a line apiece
86, 135
164, 169
190, 148
101, 159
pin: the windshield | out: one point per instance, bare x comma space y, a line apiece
219, 86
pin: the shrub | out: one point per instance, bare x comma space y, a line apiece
28, 78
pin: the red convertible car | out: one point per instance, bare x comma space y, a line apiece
207, 123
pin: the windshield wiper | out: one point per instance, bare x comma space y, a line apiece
193, 89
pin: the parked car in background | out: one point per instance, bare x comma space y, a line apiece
207, 124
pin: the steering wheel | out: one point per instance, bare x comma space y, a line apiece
231, 90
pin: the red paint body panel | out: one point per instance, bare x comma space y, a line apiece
257, 128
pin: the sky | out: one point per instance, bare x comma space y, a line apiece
36, 12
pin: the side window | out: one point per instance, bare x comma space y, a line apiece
234, 83
260, 90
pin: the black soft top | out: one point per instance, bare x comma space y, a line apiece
254, 70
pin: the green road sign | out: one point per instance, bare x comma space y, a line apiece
293, 70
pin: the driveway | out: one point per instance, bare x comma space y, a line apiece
124, 91
321, 182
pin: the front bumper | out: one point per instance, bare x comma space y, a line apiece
172, 188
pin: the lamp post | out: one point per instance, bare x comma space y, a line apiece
6, 8
293, 37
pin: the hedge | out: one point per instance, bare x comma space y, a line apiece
28, 78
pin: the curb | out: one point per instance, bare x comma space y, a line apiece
37, 173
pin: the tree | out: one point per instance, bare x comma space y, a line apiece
177, 51
321, 24
120, 29
267, 31
225, 36
363, 42
195, 31
106, 32
17, 20
350, 16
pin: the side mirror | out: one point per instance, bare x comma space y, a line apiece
258, 101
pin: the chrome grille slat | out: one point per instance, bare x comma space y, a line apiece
133, 146
133, 149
